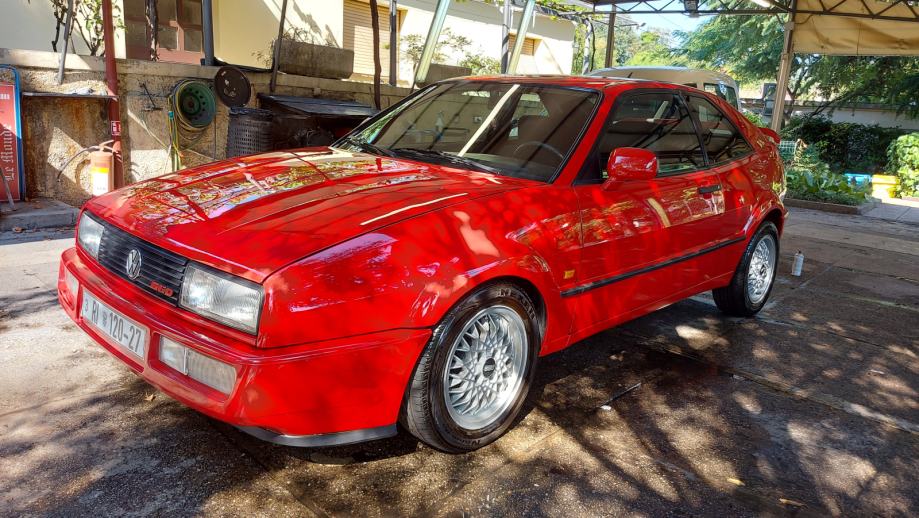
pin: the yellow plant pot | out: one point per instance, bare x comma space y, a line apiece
884, 185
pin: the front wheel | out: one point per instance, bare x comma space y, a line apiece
752, 282
473, 376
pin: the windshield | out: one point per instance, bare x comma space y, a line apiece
519, 130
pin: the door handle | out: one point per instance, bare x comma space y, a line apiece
708, 189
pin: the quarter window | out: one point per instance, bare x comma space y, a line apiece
723, 142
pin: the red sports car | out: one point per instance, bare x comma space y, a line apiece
413, 272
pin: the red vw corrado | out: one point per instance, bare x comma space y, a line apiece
413, 272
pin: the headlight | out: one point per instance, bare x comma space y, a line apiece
230, 300
89, 234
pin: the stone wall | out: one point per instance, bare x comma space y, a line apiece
56, 128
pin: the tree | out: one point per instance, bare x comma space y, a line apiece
749, 48
450, 44
87, 22
377, 67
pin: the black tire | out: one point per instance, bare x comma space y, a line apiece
734, 299
424, 412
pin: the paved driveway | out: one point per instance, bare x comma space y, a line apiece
811, 408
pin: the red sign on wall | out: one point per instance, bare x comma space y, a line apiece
9, 153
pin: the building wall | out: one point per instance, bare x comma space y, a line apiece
56, 128
245, 27
481, 22
30, 25
868, 114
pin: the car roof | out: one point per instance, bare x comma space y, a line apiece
595, 82
676, 73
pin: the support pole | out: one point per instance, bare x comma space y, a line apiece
525, 18
588, 63
430, 43
506, 35
207, 28
68, 26
393, 42
781, 87
111, 82
276, 58
610, 38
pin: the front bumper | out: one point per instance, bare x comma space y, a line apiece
316, 394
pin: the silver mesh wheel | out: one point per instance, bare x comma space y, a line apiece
485, 367
762, 269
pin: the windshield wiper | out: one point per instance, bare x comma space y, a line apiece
367, 147
449, 157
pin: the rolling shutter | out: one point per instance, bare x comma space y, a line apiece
529, 45
358, 36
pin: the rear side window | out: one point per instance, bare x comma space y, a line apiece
723, 142
724, 91
658, 122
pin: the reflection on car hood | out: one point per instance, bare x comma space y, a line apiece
253, 215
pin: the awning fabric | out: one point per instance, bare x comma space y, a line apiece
850, 36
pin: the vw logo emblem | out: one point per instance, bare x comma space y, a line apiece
132, 263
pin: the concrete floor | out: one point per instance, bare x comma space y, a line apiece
809, 409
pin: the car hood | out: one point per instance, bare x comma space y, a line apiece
251, 216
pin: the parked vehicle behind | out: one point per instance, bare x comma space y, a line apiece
722, 85
412, 273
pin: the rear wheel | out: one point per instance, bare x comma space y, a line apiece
473, 376
755, 275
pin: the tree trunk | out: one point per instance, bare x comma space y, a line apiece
377, 67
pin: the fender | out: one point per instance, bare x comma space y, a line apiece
408, 275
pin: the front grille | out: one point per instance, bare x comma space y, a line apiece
160, 271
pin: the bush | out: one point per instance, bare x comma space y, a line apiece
810, 178
903, 162
845, 146
755, 118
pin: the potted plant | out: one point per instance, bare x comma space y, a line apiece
303, 54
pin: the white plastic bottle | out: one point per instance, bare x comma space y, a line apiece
798, 266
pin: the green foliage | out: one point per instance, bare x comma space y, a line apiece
650, 47
755, 118
845, 146
904, 163
810, 178
749, 49
746, 47
481, 64
449, 44
87, 22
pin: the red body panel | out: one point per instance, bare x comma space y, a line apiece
360, 256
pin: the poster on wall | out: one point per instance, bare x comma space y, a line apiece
9, 138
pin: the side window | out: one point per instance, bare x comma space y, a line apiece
723, 142
724, 91
658, 122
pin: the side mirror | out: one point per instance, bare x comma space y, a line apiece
630, 163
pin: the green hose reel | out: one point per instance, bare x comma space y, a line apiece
195, 103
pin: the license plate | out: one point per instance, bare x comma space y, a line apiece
114, 325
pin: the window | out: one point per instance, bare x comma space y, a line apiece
357, 35
724, 91
658, 122
514, 129
179, 36
723, 142
529, 45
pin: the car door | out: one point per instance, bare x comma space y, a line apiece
636, 234
732, 159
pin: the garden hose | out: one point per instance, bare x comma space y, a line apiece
192, 108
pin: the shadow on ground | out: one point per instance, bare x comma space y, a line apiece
809, 409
